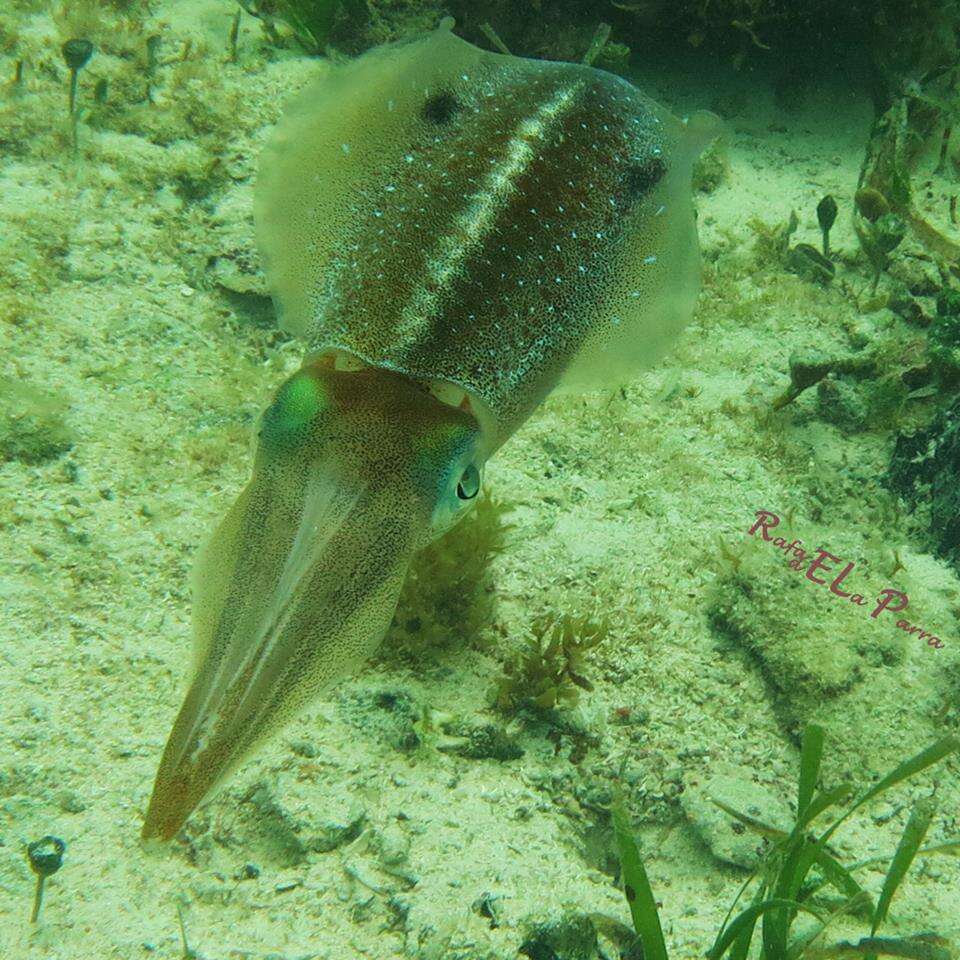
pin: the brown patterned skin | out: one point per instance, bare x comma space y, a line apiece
499, 223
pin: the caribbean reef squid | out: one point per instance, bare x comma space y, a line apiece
453, 234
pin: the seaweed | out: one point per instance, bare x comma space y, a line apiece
809, 367
45, 857
570, 938
879, 235
799, 866
826, 217
550, 672
448, 592
944, 338
884, 185
772, 243
712, 167
33, 429
76, 54
925, 469
636, 886
313, 22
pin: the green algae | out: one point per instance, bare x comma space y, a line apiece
32, 425
313, 22
448, 593
551, 670
799, 868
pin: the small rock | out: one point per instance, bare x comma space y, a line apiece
841, 403
394, 846
72, 802
489, 742
294, 822
568, 938
859, 335
728, 839
885, 812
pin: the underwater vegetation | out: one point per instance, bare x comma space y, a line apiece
898, 40
875, 306
879, 230
76, 55
551, 672
925, 470
876, 382
32, 425
944, 338
448, 593
314, 22
801, 875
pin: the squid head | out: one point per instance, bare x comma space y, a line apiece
355, 470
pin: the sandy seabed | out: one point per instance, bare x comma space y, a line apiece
132, 309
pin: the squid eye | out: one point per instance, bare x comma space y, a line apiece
469, 485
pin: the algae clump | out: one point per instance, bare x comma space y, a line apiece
448, 590
550, 672
944, 337
32, 428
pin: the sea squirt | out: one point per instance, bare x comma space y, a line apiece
453, 233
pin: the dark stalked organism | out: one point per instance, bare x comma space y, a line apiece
76, 55
45, 857
453, 233
826, 216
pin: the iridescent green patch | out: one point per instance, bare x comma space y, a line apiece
297, 402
